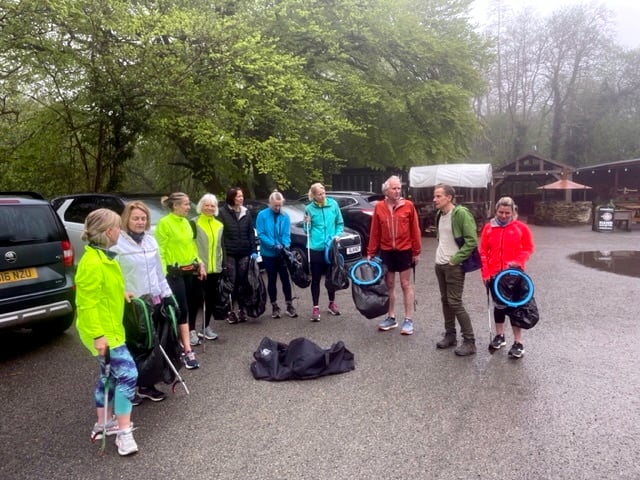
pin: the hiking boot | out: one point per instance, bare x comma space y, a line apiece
498, 342
232, 317
242, 316
125, 442
194, 339
291, 311
449, 340
468, 347
407, 327
387, 324
152, 393
333, 308
275, 310
190, 360
99, 429
516, 350
315, 314
209, 334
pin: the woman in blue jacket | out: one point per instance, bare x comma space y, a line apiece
324, 225
274, 231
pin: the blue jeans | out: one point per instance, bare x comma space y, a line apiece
451, 283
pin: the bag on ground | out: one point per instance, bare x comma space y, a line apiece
301, 359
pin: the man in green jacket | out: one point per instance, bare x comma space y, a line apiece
457, 238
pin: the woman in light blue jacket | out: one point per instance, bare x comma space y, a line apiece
324, 225
274, 231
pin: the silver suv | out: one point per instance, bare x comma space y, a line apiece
36, 266
73, 209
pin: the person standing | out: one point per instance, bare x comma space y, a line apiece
100, 298
455, 225
505, 242
209, 231
139, 259
395, 235
274, 232
239, 244
181, 264
324, 224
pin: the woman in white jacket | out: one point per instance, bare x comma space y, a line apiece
139, 259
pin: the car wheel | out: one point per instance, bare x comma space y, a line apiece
55, 326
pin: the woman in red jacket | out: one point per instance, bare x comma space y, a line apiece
505, 242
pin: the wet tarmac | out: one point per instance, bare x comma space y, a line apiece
569, 409
622, 262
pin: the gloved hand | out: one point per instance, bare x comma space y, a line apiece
254, 256
170, 301
278, 247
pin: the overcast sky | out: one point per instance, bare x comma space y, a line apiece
627, 14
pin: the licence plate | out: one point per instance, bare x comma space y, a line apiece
21, 275
352, 250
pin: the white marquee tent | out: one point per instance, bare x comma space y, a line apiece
469, 175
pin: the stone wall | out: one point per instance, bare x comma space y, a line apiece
562, 213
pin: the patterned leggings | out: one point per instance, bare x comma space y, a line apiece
122, 381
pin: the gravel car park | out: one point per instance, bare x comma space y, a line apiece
36, 266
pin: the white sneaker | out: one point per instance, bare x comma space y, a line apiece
209, 334
125, 442
194, 339
99, 429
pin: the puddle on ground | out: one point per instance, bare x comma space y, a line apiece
623, 262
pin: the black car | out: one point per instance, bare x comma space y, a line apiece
36, 266
356, 208
350, 245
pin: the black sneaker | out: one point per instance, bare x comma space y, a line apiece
498, 342
242, 316
275, 310
516, 350
291, 311
137, 400
232, 318
151, 393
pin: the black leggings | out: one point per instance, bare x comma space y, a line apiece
275, 267
318, 268
206, 291
182, 287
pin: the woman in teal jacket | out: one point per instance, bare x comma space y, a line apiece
324, 224
100, 298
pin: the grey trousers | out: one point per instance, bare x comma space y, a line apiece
451, 283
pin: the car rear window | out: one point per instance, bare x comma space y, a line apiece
20, 224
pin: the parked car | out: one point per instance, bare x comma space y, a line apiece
36, 266
350, 245
356, 208
73, 209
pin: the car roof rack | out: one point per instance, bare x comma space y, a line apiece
22, 193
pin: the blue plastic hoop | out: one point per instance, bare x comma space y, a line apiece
513, 271
358, 264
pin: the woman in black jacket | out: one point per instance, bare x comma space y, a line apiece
239, 244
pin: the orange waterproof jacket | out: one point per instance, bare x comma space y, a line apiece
396, 229
504, 246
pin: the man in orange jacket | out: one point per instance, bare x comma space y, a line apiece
395, 236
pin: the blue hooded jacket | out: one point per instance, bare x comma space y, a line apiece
273, 229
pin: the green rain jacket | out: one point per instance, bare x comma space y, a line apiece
465, 232
209, 242
175, 239
99, 299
